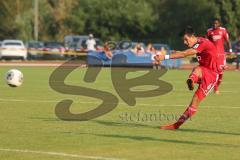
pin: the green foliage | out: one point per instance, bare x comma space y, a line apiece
175, 14
8, 14
24, 27
230, 13
118, 19
155, 20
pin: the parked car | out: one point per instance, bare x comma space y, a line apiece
74, 40
34, 49
13, 49
53, 50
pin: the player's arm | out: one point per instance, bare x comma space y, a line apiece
226, 37
229, 45
179, 54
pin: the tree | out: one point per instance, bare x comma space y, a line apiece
7, 15
174, 15
156, 20
110, 19
230, 13
53, 17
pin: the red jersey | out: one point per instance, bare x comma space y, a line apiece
207, 54
218, 36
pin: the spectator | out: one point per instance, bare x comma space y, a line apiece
150, 48
91, 43
155, 58
163, 51
107, 51
138, 49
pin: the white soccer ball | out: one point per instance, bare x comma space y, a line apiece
14, 78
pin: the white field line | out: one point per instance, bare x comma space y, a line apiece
57, 154
139, 104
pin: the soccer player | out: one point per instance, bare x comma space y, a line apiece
206, 74
219, 35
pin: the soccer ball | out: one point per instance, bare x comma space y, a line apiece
14, 78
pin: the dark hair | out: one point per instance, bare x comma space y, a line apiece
187, 30
216, 19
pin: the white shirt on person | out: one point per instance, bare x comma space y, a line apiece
91, 44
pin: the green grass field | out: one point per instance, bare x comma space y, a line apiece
30, 130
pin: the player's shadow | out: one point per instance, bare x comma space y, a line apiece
207, 131
146, 138
129, 124
123, 124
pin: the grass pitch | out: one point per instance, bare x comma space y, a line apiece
30, 130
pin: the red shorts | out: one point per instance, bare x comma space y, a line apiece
206, 83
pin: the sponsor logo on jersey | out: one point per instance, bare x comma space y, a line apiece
216, 37
195, 46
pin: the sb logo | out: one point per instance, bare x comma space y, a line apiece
120, 82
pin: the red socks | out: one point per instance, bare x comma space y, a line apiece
190, 111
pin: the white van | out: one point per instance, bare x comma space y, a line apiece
75, 40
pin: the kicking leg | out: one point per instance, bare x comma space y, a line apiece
188, 113
194, 77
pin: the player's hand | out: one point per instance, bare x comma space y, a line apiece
225, 67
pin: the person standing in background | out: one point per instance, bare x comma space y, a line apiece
91, 43
219, 35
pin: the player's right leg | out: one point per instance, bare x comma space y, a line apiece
194, 77
216, 90
207, 80
223, 66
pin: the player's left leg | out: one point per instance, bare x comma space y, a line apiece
216, 87
223, 66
